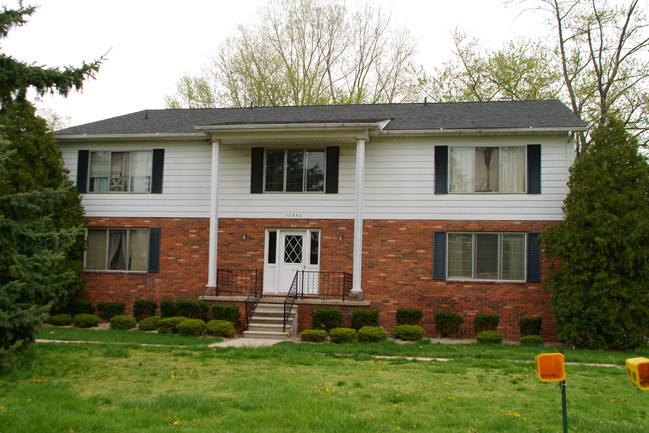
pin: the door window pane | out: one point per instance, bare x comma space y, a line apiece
272, 247
460, 255
315, 248
293, 249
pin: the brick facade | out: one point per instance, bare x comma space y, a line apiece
397, 267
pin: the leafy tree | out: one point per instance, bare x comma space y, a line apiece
41, 216
306, 52
600, 271
595, 63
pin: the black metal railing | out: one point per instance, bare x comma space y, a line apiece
254, 296
237, 281
291, 296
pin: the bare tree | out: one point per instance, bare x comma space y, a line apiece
603, 53
306, 52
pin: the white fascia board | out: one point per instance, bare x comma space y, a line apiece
133, 137
484, 131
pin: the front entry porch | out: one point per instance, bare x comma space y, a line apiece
283, 314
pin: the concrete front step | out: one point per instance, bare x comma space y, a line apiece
268, 322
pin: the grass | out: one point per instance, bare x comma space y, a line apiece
125, 337
311, 388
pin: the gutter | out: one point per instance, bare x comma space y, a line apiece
139, 137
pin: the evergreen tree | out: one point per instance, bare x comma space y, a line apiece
41, 217
600, 275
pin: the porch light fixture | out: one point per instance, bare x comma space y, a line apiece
340, 237
245, 236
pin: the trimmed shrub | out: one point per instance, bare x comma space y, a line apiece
313, 335
191, 327
60, 320
447, 323
80, 306
220, 328
362, 318
168, 308
372, 334
169, 324
531, 340
122, 322
409, 332
489, 337
144, 308
485, 322
342, 335
84, 320
530, 325
230, 313
192, 309
106, 310
409, 316
327, 318
150, 323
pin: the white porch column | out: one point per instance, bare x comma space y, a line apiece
357, 292
214, 215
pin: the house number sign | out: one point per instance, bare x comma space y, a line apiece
293, 215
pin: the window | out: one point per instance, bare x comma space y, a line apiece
125, 171
294, 170
120, 171
487, 169
122, 249
486, 256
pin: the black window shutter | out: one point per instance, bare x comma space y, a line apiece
533, 258
257, 171
82, 170
332, 170
439, 255
441, 169
157, 170
534, 169
154, 249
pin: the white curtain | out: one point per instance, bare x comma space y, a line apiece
461, 169
141, 171
96, 250
99, 171
460, 255
512, 257
138, 249
512, 169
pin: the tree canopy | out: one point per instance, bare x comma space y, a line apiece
600, 271
594, 60
41, 217
306, 52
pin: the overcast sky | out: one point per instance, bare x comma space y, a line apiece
153, 43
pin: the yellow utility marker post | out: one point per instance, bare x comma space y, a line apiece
637, 370
550, 367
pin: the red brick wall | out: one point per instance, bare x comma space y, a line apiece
184, 249
397, 267
397, 273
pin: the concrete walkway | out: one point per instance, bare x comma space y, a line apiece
246, 342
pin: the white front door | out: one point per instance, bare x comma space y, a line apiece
288, 252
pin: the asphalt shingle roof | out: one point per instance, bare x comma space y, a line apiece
431, 116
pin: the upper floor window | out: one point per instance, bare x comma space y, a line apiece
123, 171
120, 171
294, 170
290, 170
487, 169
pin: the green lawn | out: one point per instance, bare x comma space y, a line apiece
290, 387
